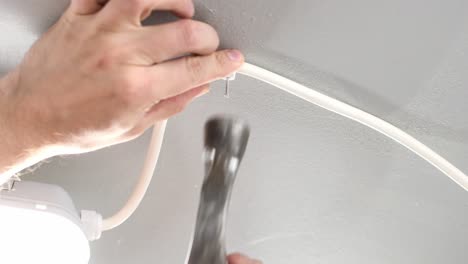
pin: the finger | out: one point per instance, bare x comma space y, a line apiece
174, 105
86, 7
176, 39
167, 108
239, 259
134, 11
178, 76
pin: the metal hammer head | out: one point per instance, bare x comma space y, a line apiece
227, 134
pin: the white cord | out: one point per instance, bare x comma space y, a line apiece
359, 116
313, 97
144, 180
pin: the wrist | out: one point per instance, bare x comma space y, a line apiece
18, 147
9, 142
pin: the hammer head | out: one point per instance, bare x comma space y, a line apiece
228, 135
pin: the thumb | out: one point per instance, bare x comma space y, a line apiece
86, 7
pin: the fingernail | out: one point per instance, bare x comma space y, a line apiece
234, 55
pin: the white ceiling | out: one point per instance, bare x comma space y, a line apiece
314, 187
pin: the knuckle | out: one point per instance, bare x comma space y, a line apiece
186, 2
213, 35
105, 61
220, 59
196, 34
189, 30
129, 87
137, 4
194, 67
108, 56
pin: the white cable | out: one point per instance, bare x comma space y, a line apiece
143, 182
359, 116
313, 97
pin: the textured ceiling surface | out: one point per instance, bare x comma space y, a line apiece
314, 187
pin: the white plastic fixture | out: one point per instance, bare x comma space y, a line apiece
39, 224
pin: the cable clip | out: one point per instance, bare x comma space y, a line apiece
229, 78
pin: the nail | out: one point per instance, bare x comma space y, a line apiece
234, 55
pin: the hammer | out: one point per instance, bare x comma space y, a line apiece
225, 143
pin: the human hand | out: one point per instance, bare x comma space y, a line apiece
241, 259
98, 77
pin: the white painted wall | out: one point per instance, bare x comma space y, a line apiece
314, 187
